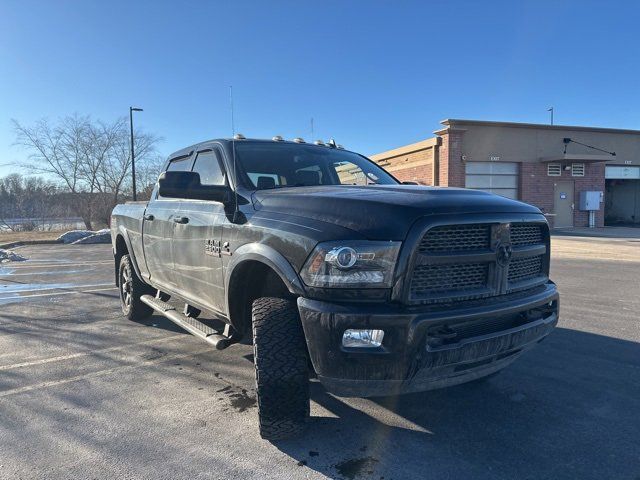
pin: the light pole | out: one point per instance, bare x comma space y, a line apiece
551, 110
133, 157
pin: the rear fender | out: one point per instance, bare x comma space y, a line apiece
122, 232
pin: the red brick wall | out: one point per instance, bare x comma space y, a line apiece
536, 188
443, 161
451, 166
411, 167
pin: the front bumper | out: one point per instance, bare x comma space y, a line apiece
427, 347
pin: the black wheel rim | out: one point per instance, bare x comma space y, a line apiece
126, 287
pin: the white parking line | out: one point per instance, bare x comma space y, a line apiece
20, 297
58, 286
74, 269
15, 266
101, 373
88, 352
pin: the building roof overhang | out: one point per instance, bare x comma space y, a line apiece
577, 158
458, 123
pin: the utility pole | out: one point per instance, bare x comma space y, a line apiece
133, 157
551, 110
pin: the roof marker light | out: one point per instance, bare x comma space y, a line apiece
299, 140
278, 138
239, 136
318, 142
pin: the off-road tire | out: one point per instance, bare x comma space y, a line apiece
131, 289
282, 376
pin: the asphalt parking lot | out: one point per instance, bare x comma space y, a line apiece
84, 393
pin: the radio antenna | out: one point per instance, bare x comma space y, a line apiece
233, 150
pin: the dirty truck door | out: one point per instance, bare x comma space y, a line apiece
196, 247
157, 233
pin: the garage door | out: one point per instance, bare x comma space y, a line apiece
495, 177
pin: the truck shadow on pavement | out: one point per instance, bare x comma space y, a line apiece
564, 410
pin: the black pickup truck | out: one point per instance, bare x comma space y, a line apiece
334, 268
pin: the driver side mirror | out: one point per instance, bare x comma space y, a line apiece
181, 184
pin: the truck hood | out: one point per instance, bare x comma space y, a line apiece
382, 212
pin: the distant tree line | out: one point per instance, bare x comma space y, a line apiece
83, 168
26, 202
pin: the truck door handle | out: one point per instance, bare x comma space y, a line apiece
182, 220
148, 216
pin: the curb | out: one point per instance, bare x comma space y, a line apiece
604, 235
29, 242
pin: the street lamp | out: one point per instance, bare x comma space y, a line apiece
133, 157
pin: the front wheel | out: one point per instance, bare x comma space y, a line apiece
131, 289
282, 376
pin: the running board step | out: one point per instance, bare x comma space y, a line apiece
191, 325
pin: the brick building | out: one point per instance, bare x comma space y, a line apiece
545, 165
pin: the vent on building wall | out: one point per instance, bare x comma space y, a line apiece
577, 169
554, 169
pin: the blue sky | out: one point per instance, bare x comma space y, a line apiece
374, 75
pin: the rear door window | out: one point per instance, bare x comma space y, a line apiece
179, 165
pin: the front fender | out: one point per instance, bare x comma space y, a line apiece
269, 256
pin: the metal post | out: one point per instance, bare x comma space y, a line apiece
551, 110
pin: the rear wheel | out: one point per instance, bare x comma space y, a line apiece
282, 376
131, 289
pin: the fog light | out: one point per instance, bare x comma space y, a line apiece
362, 338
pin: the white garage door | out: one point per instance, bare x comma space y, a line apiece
495, 177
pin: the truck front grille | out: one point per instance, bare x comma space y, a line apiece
438, 279
466, 261
526, 234
524, 268
456, 238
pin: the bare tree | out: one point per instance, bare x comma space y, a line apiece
91, 159
115, 171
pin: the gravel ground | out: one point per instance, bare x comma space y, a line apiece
84, 393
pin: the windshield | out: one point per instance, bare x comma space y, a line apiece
274, 165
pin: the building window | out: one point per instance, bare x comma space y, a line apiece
577, 169
554, 169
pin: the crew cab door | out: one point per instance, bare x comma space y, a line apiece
157, 232
197, 247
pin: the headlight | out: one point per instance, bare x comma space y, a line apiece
351, 264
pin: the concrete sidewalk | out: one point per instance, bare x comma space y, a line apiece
603, 232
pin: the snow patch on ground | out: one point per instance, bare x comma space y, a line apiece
101, 236
74, 235
9, 256
83, 237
